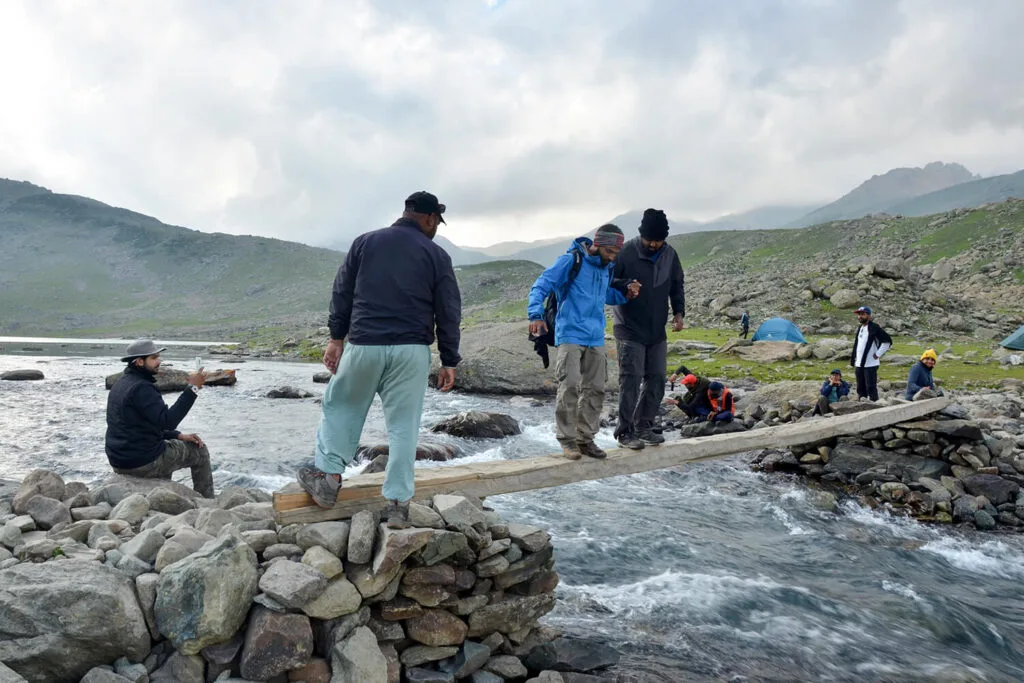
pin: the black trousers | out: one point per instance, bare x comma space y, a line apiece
867, 382
641, 384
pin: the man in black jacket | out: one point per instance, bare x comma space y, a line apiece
869, 345
142, 437
394, 288
639, 328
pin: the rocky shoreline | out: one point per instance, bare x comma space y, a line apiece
138, 580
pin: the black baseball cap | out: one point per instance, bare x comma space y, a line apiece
424, 202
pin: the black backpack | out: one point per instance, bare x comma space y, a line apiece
542, 342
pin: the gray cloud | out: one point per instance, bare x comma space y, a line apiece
311, 121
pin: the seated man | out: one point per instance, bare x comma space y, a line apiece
142, 436
920, 377
719, 403
832, 389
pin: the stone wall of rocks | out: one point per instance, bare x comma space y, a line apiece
142, 581
953, 467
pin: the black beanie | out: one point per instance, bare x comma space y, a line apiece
654, 225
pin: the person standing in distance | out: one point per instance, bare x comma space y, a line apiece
640, 336
394, 289
869, 346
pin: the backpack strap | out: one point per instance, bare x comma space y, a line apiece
577, 264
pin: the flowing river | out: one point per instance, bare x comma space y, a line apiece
704, 573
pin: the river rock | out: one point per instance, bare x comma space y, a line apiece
768, 351
507, 667
288, 392
48, 512
458, 511
431, 449
180, 668
292, 584
203, 599
165, 500
996, 489
324, 561
116, 488
275, 643
845, 298
37, 482
418, 675
850, 460
417, 655
132, 509
91, 512
322, 377
477, 424
61, 619
471, 657
22, 375
436, 628
424, 517
397, 545
184, 542
571, 654
358, 658
510, 615
361, 535
144, 546
530, 538
339, 598
102, 674
330, 535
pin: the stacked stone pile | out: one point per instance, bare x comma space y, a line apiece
142, 581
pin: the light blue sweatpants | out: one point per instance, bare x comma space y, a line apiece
399, 375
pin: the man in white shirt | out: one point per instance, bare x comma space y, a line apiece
870, 345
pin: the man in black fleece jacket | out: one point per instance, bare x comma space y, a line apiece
640, 336
142, 437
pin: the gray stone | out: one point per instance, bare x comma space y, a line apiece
133, 566
459, 511
361, 535
102, 674
100, 511
510, 615
168, 501
144, 546
423, 516
496, 547
996, 489
61, 619
851, 460
180, 668
330, 535
984, 520
204, 598
282, 550
179, 546
337, 599
145, 588
292, 584
212, 520
529, 538
136, 673
116, 488
418, 655
437, 628
443, 545
358, 658
492, 567
260, 539
10, 534
418, 675
845, 298
37, 483
132, 509
506, 666
396, 545
571, 654
470, 657
22, 376
48, 512
488, 677
324, 561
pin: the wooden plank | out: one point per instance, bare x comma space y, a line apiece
293, 506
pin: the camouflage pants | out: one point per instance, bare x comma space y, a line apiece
177, 456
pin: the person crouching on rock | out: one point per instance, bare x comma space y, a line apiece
396, 286
833, 389
142, 437
920, 384
696, 393
713, 404
581, 280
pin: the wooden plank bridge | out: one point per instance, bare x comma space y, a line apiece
292, 505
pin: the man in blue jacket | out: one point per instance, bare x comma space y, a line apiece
832, 390
142, 438
394, 288
582, 365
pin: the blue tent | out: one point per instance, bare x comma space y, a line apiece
1015, 341
779, 329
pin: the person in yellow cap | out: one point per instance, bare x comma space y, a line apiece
921, 376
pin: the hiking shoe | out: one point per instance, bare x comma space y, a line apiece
570, 450
651, 437
398, 515
320, 485
631, 442
590, 449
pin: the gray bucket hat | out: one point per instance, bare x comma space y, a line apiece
140, 348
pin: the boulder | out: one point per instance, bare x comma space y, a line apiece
768, 351
37, 483
510, 615
22, 375
330, 535
943, 270
322, 560
437, 628
959, 429
893, 269
48, 512
288, 392
996, 489
292, 584
396, 545
850, 460
362, 532
275, 643
61, 619
184, 542
845, 298
571, 654
168, 380
458, 511
322, 377
476, 424
204, 598
163, 499
418, 655
180, 668
470, 658
116, 488
337, 599
359, 658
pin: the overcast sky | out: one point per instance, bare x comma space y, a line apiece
312, 120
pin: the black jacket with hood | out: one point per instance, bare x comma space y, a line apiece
138, 420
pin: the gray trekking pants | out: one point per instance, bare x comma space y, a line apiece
582, 372
641, 385
177, 456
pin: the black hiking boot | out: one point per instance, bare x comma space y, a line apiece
631, 442
320, 485
398, 515
570, 450
591, 449
651, 437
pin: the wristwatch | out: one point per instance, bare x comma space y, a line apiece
194, 388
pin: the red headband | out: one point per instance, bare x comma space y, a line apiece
608, 239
